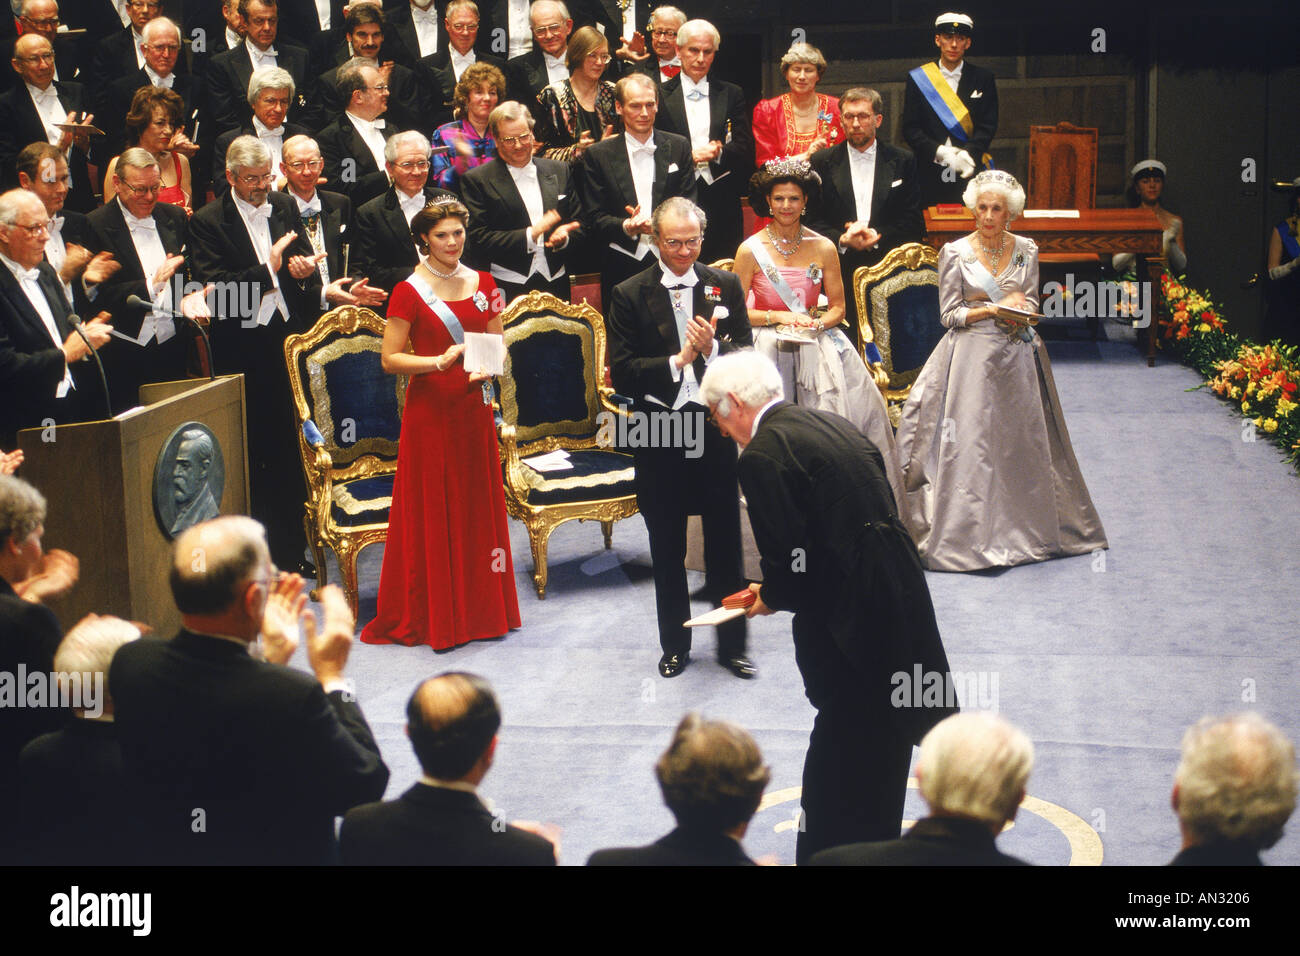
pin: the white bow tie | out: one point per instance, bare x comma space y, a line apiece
700, 92
554, 61
56, 225
668, 280
49, 93
646, 148
138, 225
28, 275
261, 212
278, 132
429, 15
263, 54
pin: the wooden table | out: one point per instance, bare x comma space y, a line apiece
1095, 230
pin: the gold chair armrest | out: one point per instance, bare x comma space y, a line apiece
606, 401
322, 486
514, 464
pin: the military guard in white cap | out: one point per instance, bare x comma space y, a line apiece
950, 114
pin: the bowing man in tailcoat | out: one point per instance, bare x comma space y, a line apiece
868, 201
246, 242
523, 210
834, 552
666, 325
713, 116
623, 179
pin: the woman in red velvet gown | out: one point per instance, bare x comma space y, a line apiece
447, 576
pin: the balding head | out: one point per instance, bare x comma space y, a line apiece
452, 720
216, 567
33, 60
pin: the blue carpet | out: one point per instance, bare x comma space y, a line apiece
1103, 661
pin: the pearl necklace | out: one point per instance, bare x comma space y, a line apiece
441, 275
781, 244
994, 256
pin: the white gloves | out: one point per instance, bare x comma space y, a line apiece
1281, 272
958, 160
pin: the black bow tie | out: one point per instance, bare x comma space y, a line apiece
674, 288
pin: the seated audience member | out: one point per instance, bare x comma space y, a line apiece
156, 123
324, 220
270, 91
29, 632
161, 50
972, 771
468, 138
443, 70
354, 144
385, 249
43, 170
40, 377
578, 111
410, 103
71, 804
29, 114
523, 211
712, 776
1234, 790
452, 720
230, 759
228, 73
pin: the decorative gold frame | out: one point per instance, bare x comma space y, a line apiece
909, 264
318, 465
521, 320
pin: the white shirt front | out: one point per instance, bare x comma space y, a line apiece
426, 28
165, 82
697, 118
136, 40
557, 71
410, 205
36, 296
952, 76
56, 251
257, 220
862, 167
682, 301
629, 20
149, 250
530, 192
371, 133
460, 62
273, 139
521, 31
323, 14
261, 58
233, 39
50, 110
641, 158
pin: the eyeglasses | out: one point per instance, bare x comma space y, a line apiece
303, 165
675, 244
601, 58
550, 29
857, 117
144, 4
153, 190
381, 88
512, 141
664, 34
44, 21
251, 179
417, 166
162, 47
36, 58
36, 230
463, 27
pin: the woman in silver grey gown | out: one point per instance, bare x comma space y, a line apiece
990, 477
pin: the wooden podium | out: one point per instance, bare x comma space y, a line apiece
98, 480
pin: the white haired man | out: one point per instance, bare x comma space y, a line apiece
385, 250
270, 91
1234, 790
834, 552
972, 772
228, 72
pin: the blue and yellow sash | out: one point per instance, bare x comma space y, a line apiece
943, 100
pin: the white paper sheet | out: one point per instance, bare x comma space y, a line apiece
485, 352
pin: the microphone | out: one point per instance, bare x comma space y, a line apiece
79, 327
142, 303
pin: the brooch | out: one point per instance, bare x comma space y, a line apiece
815, 272
1020, 258
713, 293
480, 301
772, 275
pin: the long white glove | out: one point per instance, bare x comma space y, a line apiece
947, 155
1122, 262
965, 165
1281, 272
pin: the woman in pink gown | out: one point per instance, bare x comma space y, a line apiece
785, 268
447, 576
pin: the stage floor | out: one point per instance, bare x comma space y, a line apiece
1103, 661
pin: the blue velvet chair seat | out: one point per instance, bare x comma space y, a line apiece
595, 476
361, 501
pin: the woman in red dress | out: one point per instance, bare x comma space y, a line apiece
802, 121
447, 576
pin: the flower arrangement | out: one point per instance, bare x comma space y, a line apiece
1262, 380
